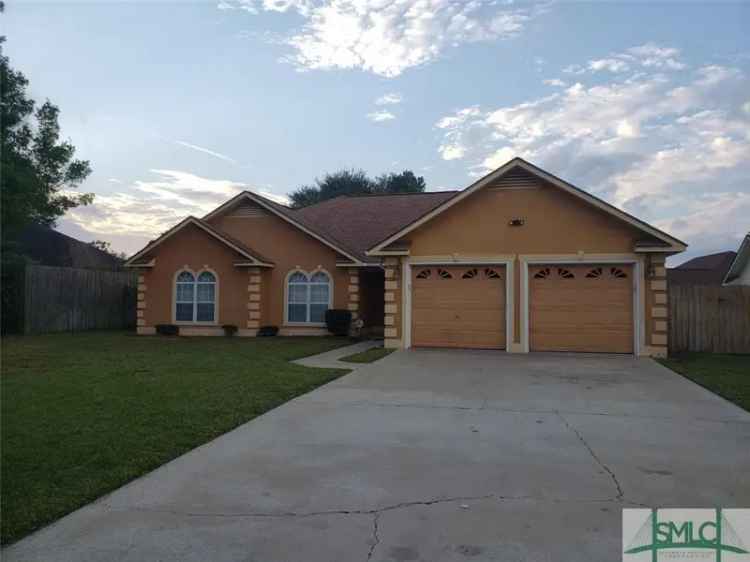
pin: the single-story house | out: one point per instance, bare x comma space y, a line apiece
739, 270
710, 270
519, 260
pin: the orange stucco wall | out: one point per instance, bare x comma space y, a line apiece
197, 250
289, 248
555, 223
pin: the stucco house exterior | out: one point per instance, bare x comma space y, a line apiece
739, 270
519, 260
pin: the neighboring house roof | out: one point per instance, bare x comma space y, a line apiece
740, 261
361, 221
46, 246
703, 270
291, 217
670, 243
254, 257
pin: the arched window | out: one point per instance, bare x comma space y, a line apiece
195, 299
308, 297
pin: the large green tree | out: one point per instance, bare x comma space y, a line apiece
355, 182
38, 169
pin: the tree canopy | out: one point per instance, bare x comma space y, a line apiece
356, 182
38, 168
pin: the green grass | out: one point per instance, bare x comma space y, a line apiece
726, 375
368, 356
82, 414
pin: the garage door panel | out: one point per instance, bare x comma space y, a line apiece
458, 307
585, 308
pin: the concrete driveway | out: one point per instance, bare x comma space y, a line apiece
435, 456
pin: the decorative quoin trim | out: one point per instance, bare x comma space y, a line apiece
392, 331
353, 292
254, 300
141, 307
658, 289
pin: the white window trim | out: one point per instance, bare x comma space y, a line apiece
309, 275
639, 305
406, 297
195, 297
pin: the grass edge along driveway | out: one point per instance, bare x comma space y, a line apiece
727, 375
83, 414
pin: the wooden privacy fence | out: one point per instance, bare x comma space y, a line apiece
59, 299
703, 318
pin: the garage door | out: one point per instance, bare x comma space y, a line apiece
581, 308
458, 307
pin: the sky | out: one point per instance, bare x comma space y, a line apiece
180, 105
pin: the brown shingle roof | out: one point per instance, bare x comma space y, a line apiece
360, 222
46, 246
703, 270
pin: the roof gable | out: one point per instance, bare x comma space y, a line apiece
740, 261
288, 215
508, 177
253, 257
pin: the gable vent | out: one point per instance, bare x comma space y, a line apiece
516, 179
248, 209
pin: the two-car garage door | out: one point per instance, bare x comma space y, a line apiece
585, 308
458, 307
581, 308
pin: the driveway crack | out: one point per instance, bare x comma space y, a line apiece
375, 535
620, 494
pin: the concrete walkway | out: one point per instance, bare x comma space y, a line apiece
433, 456
331, 359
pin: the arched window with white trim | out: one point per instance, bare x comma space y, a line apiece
195, 297
308, 297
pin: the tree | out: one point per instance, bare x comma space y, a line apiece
405, 182
105, 246
355, 182
38, 169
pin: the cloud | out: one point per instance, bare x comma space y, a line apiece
146, 208
646, 57
660, 144
213, 153
387, 38
380, 116
555, 82
389, 99
613, 65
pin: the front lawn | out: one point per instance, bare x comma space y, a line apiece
82, 414
726, 375
368, 356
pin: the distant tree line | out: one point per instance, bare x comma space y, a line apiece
356, 182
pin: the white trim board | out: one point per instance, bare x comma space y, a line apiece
406, 300
675, 245
638, 302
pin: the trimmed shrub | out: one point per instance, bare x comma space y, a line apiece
267, 331
338, 321
229, 329
167, 329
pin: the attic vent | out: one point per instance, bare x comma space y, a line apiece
248, 209
516, 179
